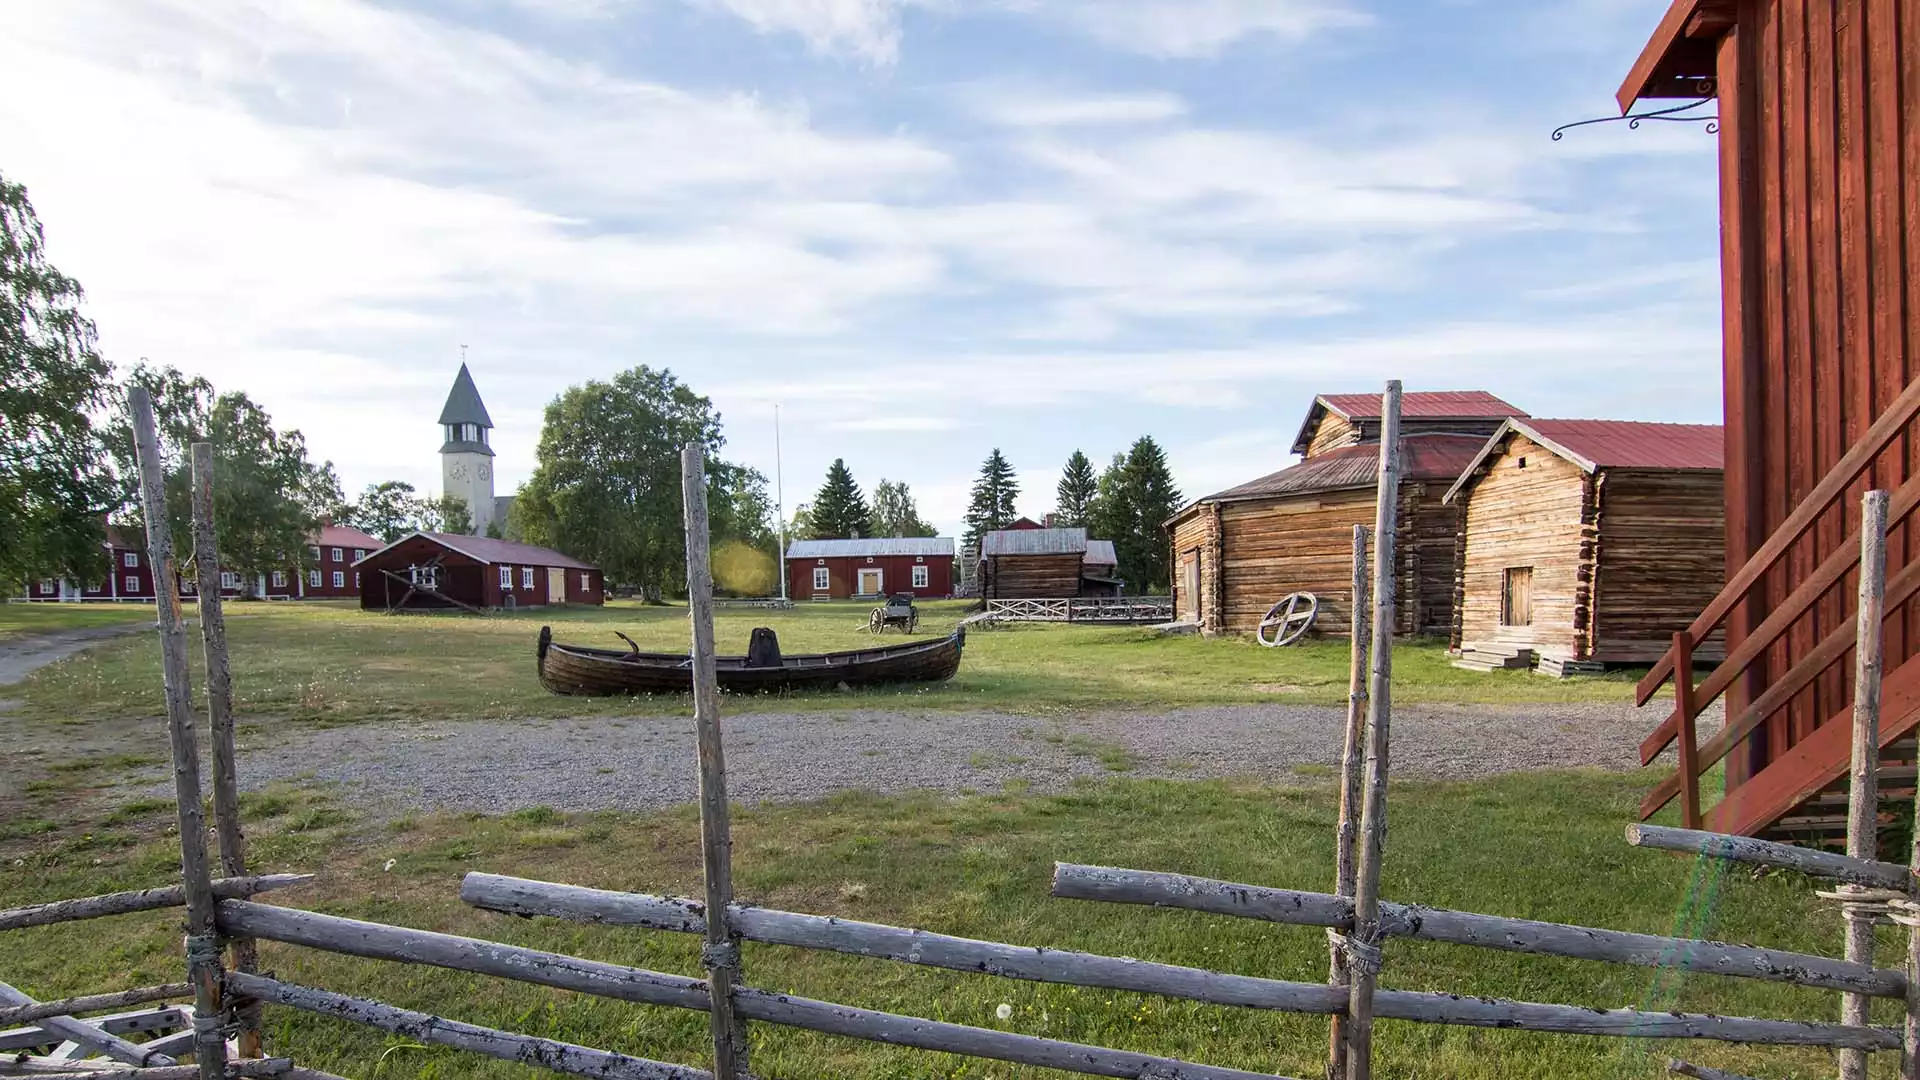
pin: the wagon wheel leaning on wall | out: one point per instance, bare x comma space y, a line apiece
1288, 621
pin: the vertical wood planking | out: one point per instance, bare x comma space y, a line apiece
721, 955
1863, 796
226, 780
1687, 740
1772, 301
1886, 304
1830, 110
1803, 394
1905, 141
1352, 763
203, 941
1365, 935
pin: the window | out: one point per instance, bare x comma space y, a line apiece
188, 588
919, 577
356, 579
313, 579
1516, 597
130, 559
359, 553
336, 554
586, 582
279, 579
47, 588
822, 580
132, 584
506, 577
339, 579
316, 553
229, 579
526, 577
427, 577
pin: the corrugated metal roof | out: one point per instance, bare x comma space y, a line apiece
1633, 444
879, 545
1034, 542
1101, 553
488, 550
1610, 444
1427, 404
1423, 457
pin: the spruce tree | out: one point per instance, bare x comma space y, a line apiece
1152, 498
991, 506
1073, 499
839, 511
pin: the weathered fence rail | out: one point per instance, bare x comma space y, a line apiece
1087, 609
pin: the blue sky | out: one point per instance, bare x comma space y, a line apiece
923, 227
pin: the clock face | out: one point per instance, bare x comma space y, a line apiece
457, 470
485, 470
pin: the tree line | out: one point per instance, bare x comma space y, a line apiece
839, 511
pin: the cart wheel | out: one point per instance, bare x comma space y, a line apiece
876, 622
1288, 620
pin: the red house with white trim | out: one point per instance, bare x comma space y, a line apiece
424, 571
843, 569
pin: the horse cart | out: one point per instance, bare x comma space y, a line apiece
898, 612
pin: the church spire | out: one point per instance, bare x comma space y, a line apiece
463, 402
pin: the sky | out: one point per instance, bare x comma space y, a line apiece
921, 228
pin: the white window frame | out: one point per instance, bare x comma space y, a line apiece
313, 579
229, 579
428, 576
506, 579
279, 579
356, 579
337, 555
359, 553
822, 579
339, 579
526, 577
922, 577
316, 552
130, 560
49, 588
131, 583
586, 581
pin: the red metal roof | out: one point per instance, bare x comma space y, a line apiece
1423, 457
1631, 444
1430, 404
343, 536
488, 550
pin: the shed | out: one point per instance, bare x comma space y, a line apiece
841, 569
426, 570
1587, 542
1042, 564
1337, 420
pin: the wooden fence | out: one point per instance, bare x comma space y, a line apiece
223, 913
1089, 609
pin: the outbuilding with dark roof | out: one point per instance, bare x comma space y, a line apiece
1237, 552
426, 570
1587, 542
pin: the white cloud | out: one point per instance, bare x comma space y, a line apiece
868, 29
1032, 107
1192, 29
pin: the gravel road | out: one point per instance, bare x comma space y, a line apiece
647, 763
21, 657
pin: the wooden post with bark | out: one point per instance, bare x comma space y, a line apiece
1863, 795
203, 937
226, 781
1351, 763
1910, 1034
721, 954
1362, 943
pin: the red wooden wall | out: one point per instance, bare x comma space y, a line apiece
896, 572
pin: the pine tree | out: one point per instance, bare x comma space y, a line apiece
991, 506
1135, 496
839, 511
1073, 499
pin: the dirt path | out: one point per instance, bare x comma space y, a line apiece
22, 656
646, 763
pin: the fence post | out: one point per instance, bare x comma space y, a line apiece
721, 954
1688, 744
1351, 762
1863, 794
203, 938
226, 784
1362, 943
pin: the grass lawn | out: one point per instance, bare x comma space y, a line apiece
334, 663
976, 866
17, 620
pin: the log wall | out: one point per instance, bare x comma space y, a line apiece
1032, 577
1332, 433
1662, 558
1196, 537
1539, 515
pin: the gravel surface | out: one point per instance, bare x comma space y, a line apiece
21, 657
647, 763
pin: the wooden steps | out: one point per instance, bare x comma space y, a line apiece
1478, 658
1559, 668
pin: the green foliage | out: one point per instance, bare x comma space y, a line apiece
1134, 497
839, 511
1073, 498
268, 495
388, 510
53, 489
895, 513
991, 505
606, 484
446, 514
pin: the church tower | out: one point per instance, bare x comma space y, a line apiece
466, 461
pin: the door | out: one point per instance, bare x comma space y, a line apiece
871, 582
1190, 587
556, 585
1516, 597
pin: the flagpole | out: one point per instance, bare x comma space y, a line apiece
779, 503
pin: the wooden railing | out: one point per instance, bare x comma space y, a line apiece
1676, 664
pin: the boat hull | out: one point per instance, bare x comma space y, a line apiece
582, 671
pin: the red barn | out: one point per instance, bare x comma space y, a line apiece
443, 570
841, 569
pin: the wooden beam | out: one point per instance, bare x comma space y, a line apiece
1863, 793
26, 1014
1654, 56
1352, 765
93, 1038
1746, 849
122, 903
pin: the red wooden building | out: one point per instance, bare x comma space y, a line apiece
127, 575
841, 569
443, 570
329, 572
1819, 168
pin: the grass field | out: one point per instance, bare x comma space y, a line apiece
978, 867
336, 664
18, 620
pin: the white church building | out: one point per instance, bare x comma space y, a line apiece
466, 457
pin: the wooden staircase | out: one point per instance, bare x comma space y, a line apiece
1799, 791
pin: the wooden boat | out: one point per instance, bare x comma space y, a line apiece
577, 669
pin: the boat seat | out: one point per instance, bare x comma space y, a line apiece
763, 648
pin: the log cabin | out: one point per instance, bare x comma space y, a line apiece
1586, 542
436, 571
1023, 563
1818, 142
1239, 551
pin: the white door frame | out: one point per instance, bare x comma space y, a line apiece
879, 577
